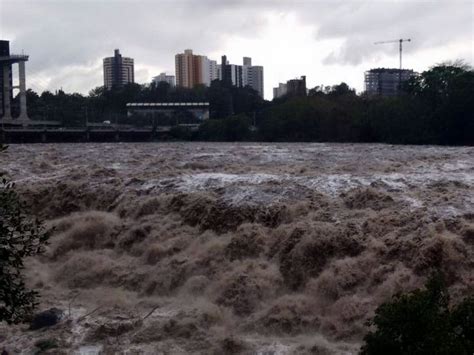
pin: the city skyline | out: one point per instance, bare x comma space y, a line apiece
327, 42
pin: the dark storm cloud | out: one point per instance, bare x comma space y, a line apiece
68, 38
77, 32
62, 36
428, 24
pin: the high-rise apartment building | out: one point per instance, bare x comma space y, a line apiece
254, 78
163, 77
235, 74
242, 75
118, 71
225, 72
386, 82
214, 70
184, 64
192, 70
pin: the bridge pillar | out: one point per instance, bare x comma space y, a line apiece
117, 136
7, 109
23, 112
43, 137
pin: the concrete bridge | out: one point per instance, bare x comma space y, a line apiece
6, 62
108, 133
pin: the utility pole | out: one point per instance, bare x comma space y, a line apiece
400, 49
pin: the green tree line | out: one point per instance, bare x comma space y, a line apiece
435, 107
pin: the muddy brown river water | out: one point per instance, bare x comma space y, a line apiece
208, 248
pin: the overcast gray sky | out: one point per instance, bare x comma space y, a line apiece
328, 41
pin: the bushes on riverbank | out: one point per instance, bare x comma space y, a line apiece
422, 322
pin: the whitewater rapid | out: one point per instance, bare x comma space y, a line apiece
241, 248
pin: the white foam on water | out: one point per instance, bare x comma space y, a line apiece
189, 259
89, 350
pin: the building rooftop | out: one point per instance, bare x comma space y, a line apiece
159, 104
387, 70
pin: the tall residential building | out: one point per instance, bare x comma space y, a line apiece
386, 82
231, 74
213, 71
226, 72
279, 91
208, 70
184, 69
293, 87
254, 78
118, 71
242, 75
192, 70
236, 74
163, 77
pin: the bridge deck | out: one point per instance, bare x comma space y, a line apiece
85, 134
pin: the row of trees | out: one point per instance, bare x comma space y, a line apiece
436, 107
101, 104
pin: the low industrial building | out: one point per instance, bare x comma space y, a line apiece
169, 113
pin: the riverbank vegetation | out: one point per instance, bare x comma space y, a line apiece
436, 107
21, 236
422, 322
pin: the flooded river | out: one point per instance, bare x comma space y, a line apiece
207, 248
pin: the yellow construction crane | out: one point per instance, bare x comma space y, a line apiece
400, 41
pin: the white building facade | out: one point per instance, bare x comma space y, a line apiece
254, 78
213, 70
